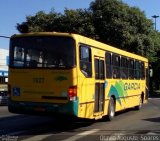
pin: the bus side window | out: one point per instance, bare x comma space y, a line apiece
124, 68
142, 71
85, 61
131, 69
137, 70
108, 65
116, 66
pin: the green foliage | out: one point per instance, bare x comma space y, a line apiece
74, 21
109, 21
125, 27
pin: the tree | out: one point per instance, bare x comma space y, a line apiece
74, 21
109, 21
122, 26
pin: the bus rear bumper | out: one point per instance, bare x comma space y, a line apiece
70, 108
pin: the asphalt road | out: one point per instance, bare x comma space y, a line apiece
127, 125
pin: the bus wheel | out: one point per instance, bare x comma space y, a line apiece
111, 109
140, 104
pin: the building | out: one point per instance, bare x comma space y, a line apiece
4, 61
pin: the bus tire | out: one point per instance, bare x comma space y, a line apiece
139, 107
111, 109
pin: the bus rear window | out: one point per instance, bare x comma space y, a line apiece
42, 52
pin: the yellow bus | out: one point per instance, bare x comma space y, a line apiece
69, 74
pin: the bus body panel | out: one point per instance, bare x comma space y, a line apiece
37, 90
37, 85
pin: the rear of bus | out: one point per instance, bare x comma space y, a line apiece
42, 74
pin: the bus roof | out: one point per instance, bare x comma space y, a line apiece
87, 41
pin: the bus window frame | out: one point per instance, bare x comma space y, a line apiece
142, 70
124, 67
85, 66
115, 66
131, 68
108, 64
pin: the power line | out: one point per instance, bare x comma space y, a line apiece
4, 37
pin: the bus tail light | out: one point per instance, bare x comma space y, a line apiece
72, 93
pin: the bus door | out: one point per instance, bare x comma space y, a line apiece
99, 84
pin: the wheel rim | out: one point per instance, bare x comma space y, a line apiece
140, 103
112, 110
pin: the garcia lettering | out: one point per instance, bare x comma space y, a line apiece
131, 86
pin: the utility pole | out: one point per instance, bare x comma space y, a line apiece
155, 17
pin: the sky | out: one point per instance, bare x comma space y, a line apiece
15, 11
